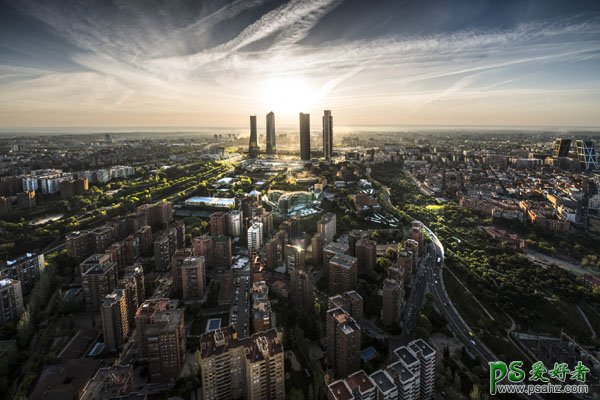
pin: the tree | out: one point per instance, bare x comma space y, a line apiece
475, 393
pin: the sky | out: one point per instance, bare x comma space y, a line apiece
100, 63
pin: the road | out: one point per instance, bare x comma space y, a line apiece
435, 283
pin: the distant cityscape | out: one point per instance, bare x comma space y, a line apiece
147, 267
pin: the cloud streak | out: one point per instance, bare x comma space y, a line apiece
131, 58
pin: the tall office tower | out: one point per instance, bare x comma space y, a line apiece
384, 383
202, 246
561, 148
115, 319
327, 135
405, 381
393, 296
192, 278
25, 269
98, 281
234, 223
253, 149
271, 141
351, 302
316, 244
305, 137
356, 386
221, 251
250, 368
586, 154
343, 342
255, 236
218, 224
160, 335
417, 233
343, 274
366, 252
295, 257
426, 355
326, 226
301, 289
132, 284
11, 304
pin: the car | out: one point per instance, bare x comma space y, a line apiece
471, 334
472, 342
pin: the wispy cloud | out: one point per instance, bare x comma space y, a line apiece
173, 59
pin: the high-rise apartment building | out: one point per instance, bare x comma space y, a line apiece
426, 355
301, 289
326, 227
331, 250
249, 368
132, 284
98, 281
202, 246
234, 223
343, 342
218, 224
366, 252
393, 296
342, 273
405, 381
295, 257
357, 386
271, 136
255, 236
193, 279
317, 243
384, 383
253, 148
327, 135
305, 137
221, 251
350, 301
160, 335
25, 269
115, 319
11, 301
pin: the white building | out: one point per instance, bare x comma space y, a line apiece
255, 236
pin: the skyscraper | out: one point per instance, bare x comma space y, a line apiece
271, 141
250, 368
160, 331
327, 135
304, 137
11, 306
253, 145
115, 319
343, 342
586, 154
561, 148
343, 273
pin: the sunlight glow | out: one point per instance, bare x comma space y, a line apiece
288, 96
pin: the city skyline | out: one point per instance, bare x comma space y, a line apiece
183, 65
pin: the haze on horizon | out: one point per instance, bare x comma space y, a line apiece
184, 63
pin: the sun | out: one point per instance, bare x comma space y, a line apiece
289, 95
